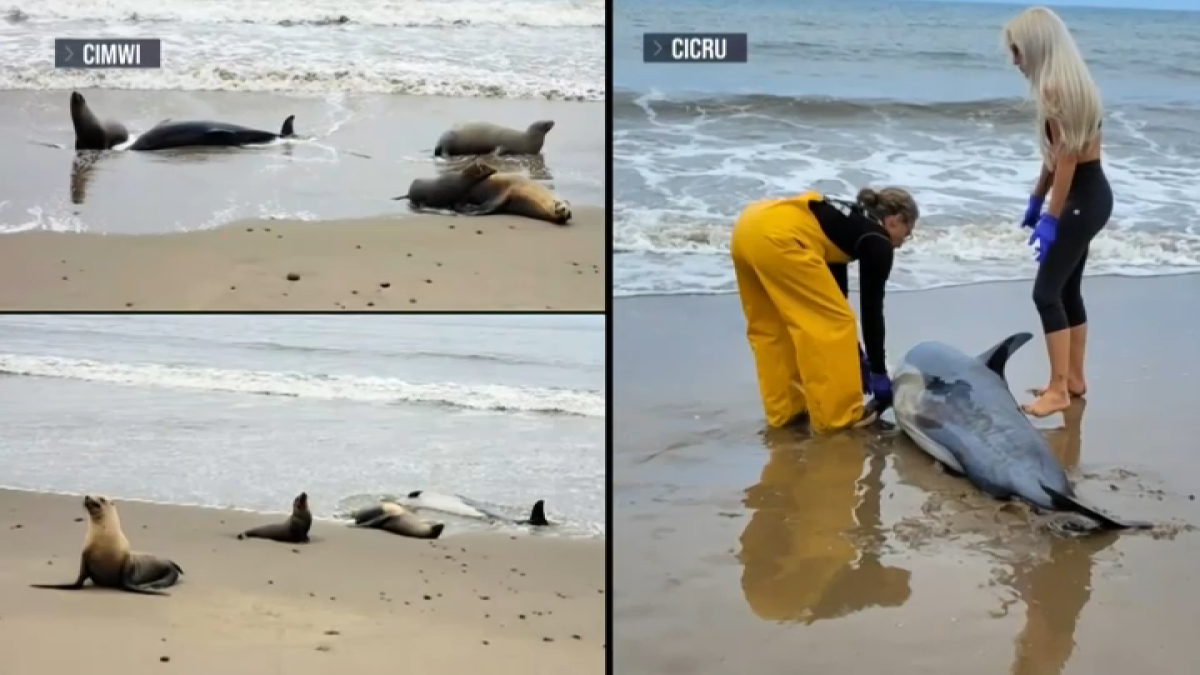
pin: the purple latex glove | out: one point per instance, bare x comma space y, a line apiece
1044, 234
1033, 211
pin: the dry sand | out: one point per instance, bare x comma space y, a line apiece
351, 599
424, 262
737, 553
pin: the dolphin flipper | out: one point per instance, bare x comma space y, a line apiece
997, 357
1072, 503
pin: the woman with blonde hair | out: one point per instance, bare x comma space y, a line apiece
1068, 126
790, 257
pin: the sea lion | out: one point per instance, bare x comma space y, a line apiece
448, 190
90, 132
294, 530
463, 506
108, 561
169, 134
392, 517
518, 195
482, 138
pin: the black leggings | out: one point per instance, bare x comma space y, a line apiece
1056, 289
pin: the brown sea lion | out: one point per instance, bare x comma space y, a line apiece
108, 561
483, 138
90, 132
294, 530
448, 190
392, 517
518, 195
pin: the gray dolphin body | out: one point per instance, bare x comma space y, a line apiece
168, 134
958, 409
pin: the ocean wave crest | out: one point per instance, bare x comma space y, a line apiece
487, 397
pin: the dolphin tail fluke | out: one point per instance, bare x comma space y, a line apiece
1070, 503
287, 131
538, 515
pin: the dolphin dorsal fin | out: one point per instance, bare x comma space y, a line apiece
997, 357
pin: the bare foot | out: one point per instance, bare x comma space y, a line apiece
1048, 403
1075, 387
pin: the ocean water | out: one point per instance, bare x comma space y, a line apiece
247, 411
520, 48
915, 94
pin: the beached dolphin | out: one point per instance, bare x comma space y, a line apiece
469, 508
958, 409
168, 134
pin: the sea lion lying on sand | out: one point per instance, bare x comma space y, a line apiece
449, 190
107, 560
483, 138
391, 517
518, 195
294, 530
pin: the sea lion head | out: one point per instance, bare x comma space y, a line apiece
77, 100
542, 127
96, 506
300, 503
562, 211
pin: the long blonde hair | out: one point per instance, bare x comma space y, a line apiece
1059, 79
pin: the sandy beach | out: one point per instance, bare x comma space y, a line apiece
737, 552
349, 599
422, 262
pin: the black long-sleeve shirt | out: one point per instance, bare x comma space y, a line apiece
861, 238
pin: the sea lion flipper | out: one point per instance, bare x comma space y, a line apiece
145, 574
403, 196
73, 586
491, 206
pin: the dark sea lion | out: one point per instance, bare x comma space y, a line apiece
108, 561
391, 517
294, 530
90, 132
518, 195
169, 134
482, 138
448, 190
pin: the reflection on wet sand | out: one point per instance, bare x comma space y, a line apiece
811, 549
81, 173
1056, 587
1049, 573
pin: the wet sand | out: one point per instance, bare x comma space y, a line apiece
349, 599
359, 152
426, 262
737, 552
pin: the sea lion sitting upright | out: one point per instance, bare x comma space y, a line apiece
168, 134
448, 190
518, 195
391, 517
107, 560
482, 138
294, 530
90, 132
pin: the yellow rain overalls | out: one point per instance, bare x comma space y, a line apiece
799, 324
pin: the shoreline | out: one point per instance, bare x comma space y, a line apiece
349, 598
417, 262
924, 289
452, 527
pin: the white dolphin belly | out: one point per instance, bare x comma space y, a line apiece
452, 504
